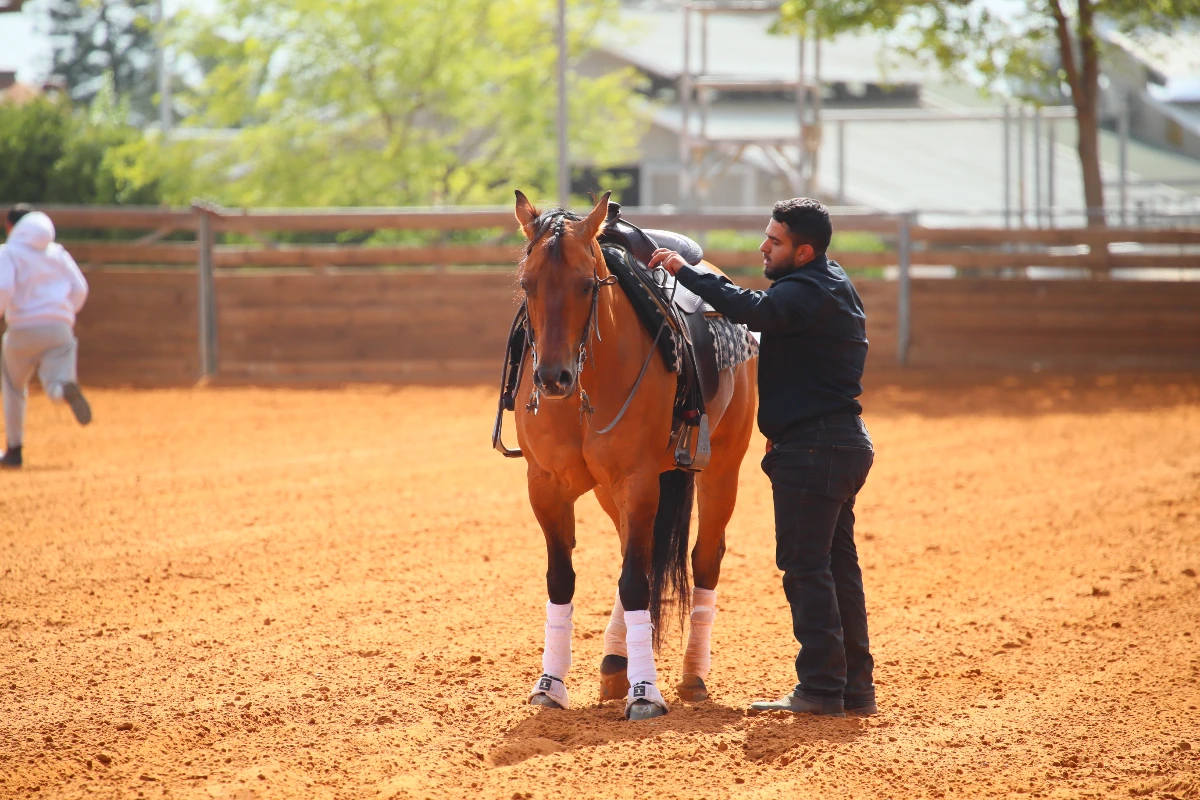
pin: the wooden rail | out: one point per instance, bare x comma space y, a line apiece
980, 253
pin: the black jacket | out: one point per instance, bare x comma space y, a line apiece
814, 340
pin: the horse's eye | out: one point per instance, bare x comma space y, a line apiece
586, 286
526, 285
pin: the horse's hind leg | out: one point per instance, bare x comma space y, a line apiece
614, 666
717, 489
553, 503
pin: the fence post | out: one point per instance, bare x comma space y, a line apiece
1123, 157
1007, 167
206, 294
903, 293
841, 161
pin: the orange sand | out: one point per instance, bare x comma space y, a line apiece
238, 593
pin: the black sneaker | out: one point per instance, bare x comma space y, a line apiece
12, 458
78, 403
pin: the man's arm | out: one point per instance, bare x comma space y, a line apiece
776, 309
79, 287
6, 281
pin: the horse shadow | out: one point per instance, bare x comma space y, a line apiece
767, 738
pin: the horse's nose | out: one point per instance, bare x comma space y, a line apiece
554, 380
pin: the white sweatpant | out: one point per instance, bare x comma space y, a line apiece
51, 350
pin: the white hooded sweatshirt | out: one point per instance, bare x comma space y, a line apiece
39, 281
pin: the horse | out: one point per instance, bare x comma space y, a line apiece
588, 343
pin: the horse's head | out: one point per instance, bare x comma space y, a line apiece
559, 277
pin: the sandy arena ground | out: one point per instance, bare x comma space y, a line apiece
274, 593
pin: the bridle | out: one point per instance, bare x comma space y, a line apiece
586, 410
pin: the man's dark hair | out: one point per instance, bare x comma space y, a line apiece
807, 220
16, 212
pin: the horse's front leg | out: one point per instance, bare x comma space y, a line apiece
614, 678
638, 501
553, 501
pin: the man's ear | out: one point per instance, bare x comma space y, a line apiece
591, 226
804, 254
526, 214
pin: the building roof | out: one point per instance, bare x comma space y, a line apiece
951, 169
19, 93
1173, 57
741, 46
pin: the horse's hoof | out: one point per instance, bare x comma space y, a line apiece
543, 700
614, 680
692, 689
644, 709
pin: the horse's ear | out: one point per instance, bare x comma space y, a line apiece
594, 223
526, 214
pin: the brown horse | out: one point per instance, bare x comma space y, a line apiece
588, 350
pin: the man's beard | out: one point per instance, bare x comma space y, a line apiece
774, 272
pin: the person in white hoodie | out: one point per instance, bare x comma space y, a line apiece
41, 290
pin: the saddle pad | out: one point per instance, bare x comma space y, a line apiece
634, 281
733, 343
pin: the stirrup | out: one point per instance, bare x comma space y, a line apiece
693, 445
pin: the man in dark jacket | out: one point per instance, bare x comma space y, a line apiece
819, 452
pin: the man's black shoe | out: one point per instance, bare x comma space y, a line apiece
799, 705
12, 458
78, 403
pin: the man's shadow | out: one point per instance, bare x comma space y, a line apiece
768, 737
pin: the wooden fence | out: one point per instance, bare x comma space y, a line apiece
327, 312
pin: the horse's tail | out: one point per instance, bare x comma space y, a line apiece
669, 564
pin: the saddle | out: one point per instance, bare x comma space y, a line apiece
663, 291
672, 315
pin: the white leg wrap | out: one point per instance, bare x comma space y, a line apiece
614, 634
556, 658
698, 656
639, 639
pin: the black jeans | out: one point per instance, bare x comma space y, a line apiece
816, 471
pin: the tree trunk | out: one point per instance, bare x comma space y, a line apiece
1089, 160
1084, 80
1086, 112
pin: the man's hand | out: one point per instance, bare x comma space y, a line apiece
667, 259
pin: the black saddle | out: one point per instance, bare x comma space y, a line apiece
643, 242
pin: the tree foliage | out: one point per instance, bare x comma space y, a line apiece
391, 102
94, 41
1039, 50
53, 153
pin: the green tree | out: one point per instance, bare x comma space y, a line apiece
405, 102
51, 153
93, 41
1034, 49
